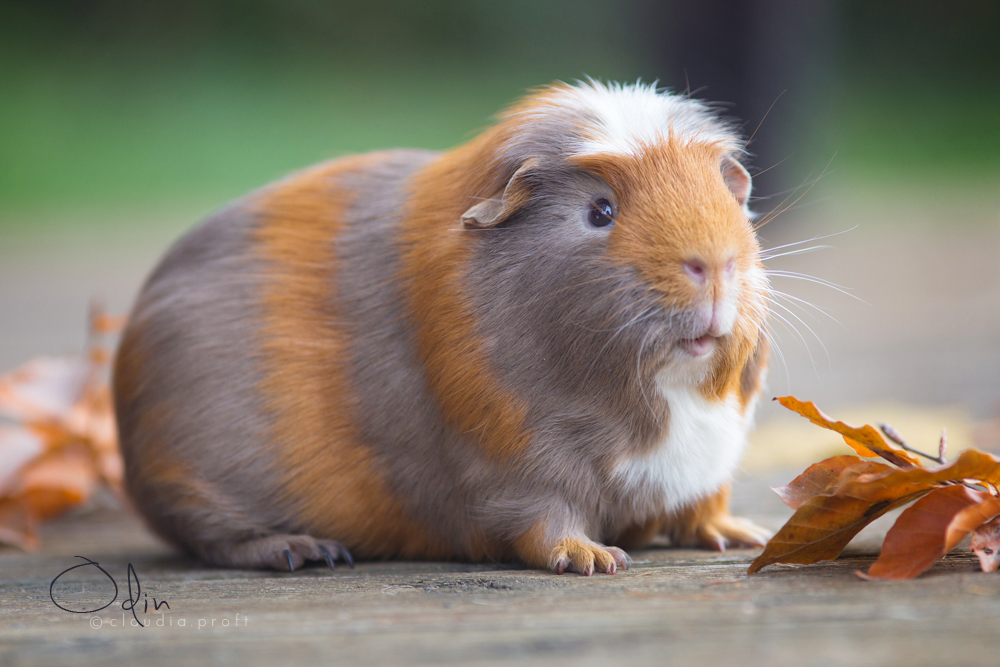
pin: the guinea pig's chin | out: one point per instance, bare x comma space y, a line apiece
700, 347
689, 362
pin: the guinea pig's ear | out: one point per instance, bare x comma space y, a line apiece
737, 179
492, 212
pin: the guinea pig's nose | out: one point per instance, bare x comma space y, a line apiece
696, 270
700, 272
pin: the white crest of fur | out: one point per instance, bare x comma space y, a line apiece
621, 118
700, 453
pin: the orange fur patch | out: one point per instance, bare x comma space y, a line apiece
532, 547
331, 479
436, 259
682, 526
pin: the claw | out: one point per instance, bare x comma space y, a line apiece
288, 555
347, 556
327, 555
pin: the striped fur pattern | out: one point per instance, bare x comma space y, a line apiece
420, 355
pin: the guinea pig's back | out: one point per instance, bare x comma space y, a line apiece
233, 378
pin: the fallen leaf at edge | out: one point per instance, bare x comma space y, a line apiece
929, 529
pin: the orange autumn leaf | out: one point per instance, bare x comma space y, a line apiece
17, 526
865, 440
825, 475
44, 389
825, 524
930, 528
18, 446
57, 482
64, 442
970, 464
836, 498
102, 323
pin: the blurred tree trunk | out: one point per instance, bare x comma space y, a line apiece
751, 54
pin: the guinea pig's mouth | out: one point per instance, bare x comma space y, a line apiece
698, 347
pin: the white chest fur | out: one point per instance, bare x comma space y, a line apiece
700, 452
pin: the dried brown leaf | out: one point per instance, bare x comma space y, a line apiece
102, 323
823, 525
57, 482
44, 389
970, 464
17, 526
66, 442
930, 528
865, 440
821, 477
18, 446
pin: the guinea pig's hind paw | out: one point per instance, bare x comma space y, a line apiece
731, 531
586, 557
334, 550
281, 552
302, 548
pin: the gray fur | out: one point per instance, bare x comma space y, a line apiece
192, 327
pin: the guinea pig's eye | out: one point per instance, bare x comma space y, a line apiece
601, 213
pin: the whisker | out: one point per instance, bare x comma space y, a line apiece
780, 208
807, 303
754, 133
813, 279
618, 312
803, 323
764, 171
788, 325
549, 295
771, 217
639, 378
646, 313
805, 312
772, 343
794, 206
779, 193
801, 251
815, 238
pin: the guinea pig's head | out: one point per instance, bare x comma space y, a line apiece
620, 242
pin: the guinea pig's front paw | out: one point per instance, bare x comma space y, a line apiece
586, 557
725, 530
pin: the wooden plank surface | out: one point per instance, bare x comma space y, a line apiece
671, 607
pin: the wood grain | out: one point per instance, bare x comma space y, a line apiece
672, 605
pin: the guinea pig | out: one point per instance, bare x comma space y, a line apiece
544, 346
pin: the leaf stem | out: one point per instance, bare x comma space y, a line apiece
897, 438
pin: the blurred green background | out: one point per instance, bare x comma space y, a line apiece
110, 104
124, 122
